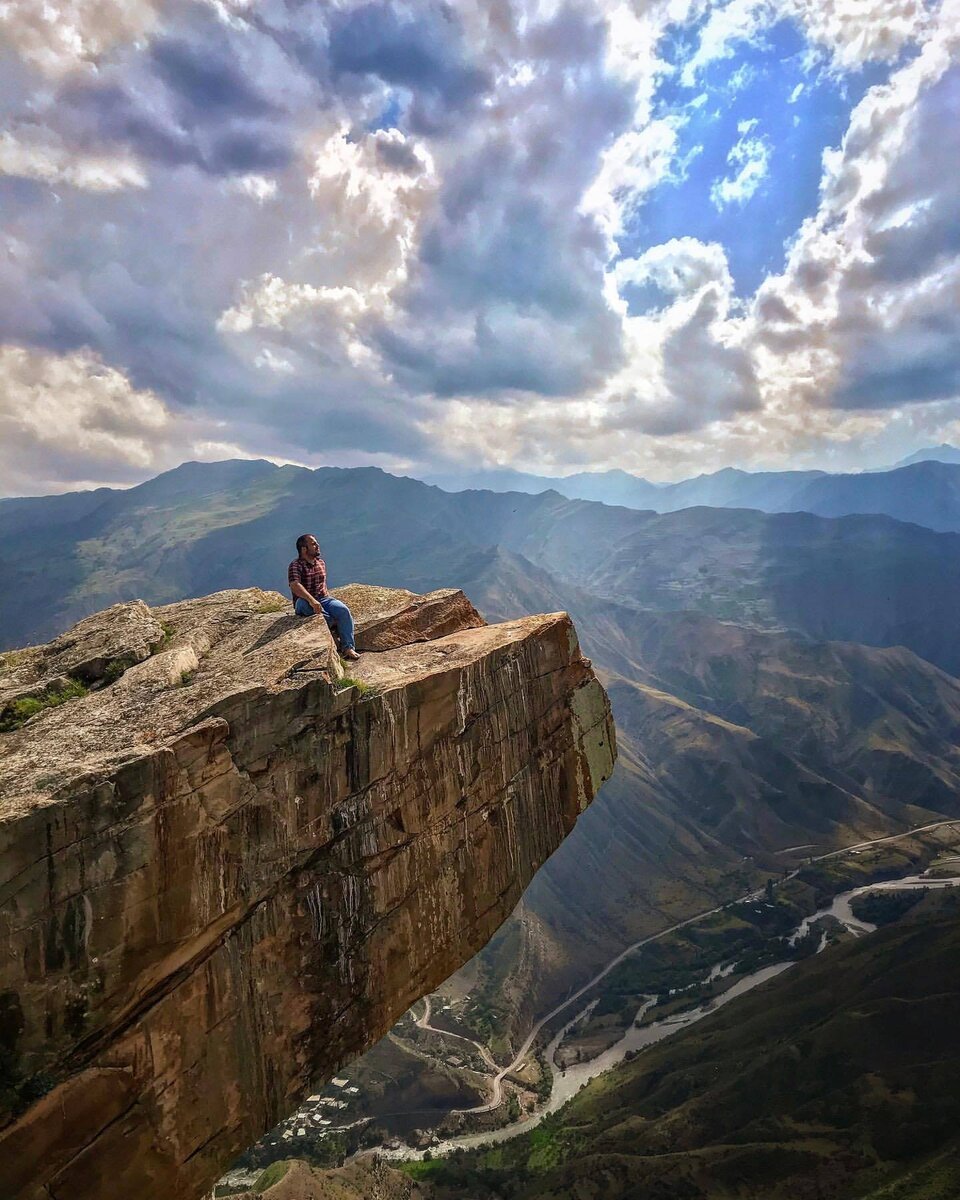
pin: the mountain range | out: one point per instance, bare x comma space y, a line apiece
942, 453
924, 490
204, 527
736, 745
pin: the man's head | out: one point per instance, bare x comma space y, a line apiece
308, 546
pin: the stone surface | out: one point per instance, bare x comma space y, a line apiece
226, 873
106, 643
390, 617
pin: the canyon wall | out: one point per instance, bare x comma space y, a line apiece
226, 868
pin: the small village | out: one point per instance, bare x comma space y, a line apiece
331, 1110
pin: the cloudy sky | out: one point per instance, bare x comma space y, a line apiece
663, 235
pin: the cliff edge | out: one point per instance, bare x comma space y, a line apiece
226, 868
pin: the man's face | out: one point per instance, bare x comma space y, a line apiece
312, 548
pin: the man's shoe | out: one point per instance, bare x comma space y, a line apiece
349, 655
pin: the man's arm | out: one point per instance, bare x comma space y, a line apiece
301, 592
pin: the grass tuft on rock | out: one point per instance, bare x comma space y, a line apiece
365, 689
275, 606
11, 658
115, 668
18, 712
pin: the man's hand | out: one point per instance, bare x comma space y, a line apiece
301, 593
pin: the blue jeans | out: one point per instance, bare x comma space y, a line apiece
337, 614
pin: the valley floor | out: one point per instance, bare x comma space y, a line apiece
651, 991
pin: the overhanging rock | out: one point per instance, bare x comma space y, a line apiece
227, 869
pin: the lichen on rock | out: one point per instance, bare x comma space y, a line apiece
224, 875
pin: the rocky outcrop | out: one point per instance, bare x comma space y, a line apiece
226, 868
391, 617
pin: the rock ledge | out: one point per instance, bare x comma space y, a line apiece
226, 869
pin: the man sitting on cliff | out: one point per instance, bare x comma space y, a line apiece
307, 576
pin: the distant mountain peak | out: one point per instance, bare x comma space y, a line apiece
944, 453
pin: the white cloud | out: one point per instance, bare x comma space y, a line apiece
687, 366
69, 420
865, 313
686, 369
750, 160
678, 267
851, 34
727, 24
846, 34
45, 158
61, 36
273, 303
368, 195
636, 162
258, 187
269, 360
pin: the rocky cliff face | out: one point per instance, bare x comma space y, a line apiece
226, 869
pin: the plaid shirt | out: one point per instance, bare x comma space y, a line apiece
313, 576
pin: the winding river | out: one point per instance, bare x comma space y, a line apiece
568, 1082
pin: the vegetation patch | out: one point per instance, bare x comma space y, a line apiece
365, 689
423, 1170
548, 1146
883, 908
273, 1174
167, 637
11, 658
115, 668
880, 863
18, 712
275, 606
545, 1082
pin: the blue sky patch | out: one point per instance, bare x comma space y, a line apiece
767, 92
390, 116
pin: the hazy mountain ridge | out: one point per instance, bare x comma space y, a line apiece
921, 489
927, 493
942, 453
845, 703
